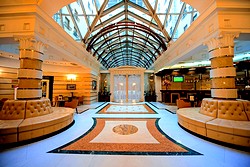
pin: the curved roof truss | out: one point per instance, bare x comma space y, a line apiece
103, 26
130, 36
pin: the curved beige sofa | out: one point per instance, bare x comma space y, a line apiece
23, 120
223, 120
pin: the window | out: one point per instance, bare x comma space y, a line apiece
184, 13
171, 30
195, 16
56, 17
76, 15
75, 33
78, 2
67, 24
185, 27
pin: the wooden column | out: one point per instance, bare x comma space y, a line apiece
222, 73
30, 71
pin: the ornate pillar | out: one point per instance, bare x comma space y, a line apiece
222, 73
112, 85
30, 71
142, 85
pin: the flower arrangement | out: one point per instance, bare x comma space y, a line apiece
166, 83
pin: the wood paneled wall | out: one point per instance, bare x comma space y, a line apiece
8, 79
83, 85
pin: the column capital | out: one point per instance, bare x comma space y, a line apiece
31, 43
224, 39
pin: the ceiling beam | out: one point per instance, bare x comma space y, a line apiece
168, 11
157, 20
143, 10
84, 12
141, 49
143, 20
178, 20
74, 21
97, 17
109, 20
113, 8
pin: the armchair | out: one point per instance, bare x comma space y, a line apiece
181, 103
72, 104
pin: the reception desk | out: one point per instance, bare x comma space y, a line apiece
170, 96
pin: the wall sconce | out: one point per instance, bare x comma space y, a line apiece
71, 77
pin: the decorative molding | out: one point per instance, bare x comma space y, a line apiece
224, 39
30, 43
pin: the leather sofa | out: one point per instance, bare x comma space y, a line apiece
22, 120
223, 120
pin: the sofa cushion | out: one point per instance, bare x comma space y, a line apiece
59, 115
193, 116
13, 109
231, 110
209, 107
240, 128
246, 105
36, 108
9, 126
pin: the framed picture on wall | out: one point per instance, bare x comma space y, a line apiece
93, 85
71, 86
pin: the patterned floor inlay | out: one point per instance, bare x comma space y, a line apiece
126, 109
125, 137
125, 129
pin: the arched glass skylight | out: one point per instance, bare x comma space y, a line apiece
84, 19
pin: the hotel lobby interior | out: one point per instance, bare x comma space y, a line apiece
124, 83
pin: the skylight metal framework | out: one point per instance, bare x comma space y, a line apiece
126, 32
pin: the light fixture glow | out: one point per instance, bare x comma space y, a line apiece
71, 77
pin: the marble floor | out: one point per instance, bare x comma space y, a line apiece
36, 154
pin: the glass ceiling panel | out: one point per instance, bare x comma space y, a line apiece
136, 20
139, 13
90, 19
139, 3
112, 3
172, 22
162, 18
99, 4
89, 6
83, 12
117, 20
176, 6
113, 13
162, 6
83, 27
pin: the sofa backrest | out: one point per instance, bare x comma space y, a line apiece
232, 110
209, 107
246, 105
39, 107
13, 110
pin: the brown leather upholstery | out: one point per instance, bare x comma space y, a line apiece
182, 103
36, 108
232, 110
226, 120
13, 110
45, 124
72, 104
80, 100
247, 108
209, 107
23, 120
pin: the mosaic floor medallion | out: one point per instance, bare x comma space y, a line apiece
125, 129
127, 136
126, 109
